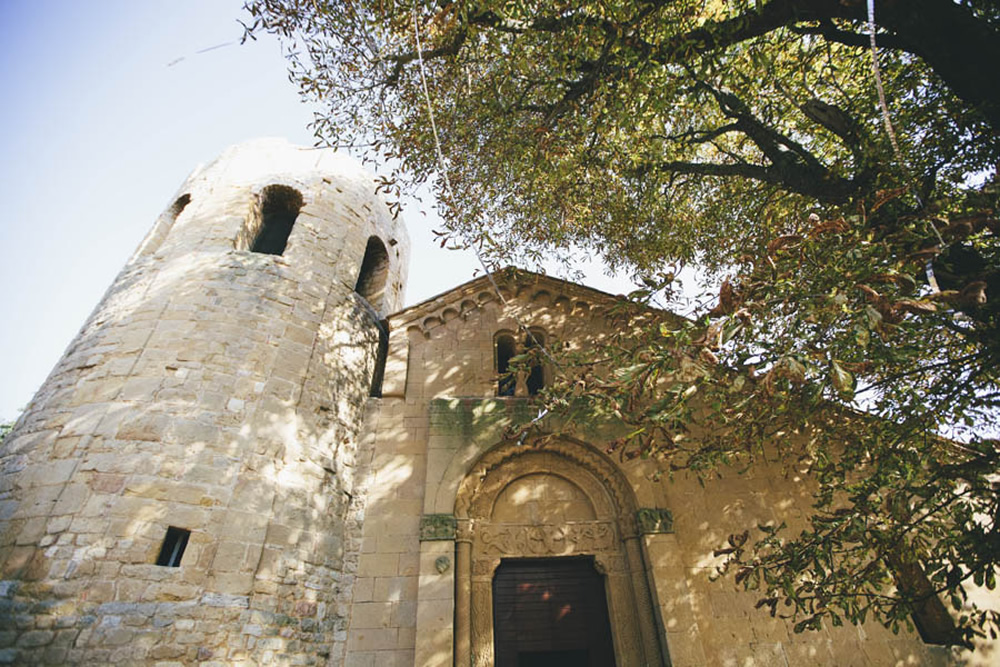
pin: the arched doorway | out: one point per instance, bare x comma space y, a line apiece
551, 612
524, 508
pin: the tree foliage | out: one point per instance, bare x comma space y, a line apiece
856, 244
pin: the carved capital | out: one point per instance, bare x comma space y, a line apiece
654, 520
437, 527
465, 531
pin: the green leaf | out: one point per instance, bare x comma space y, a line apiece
874, 317
843, 381
730, 330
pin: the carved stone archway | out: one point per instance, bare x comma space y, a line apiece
593, 513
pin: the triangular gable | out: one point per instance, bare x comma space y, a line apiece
513, 284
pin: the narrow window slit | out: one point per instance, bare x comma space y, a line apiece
173, 547
383, 350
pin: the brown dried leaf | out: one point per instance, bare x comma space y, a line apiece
782, 242
838, 226
916, 307
883, 197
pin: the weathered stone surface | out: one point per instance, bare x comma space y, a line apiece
212, 390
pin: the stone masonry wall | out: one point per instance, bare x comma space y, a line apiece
439, 415
216, 390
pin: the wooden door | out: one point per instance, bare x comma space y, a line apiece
550, 612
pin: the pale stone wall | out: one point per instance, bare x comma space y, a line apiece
216, 390
437, 426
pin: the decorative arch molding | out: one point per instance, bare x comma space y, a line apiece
481, 481
611, 537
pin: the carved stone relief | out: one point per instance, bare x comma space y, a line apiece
532, 540
654, 520
485, 567
437, 527
464, 530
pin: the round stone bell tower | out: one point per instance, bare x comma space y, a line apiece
180, 489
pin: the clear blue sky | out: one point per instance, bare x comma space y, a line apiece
108, 106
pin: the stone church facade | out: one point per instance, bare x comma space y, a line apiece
251, 454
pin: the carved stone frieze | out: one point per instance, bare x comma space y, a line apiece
654, 520
437, 527
546, 540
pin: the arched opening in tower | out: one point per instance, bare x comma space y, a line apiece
504, 347
279, 207
374, 271
165, 224
534, 342
178, 206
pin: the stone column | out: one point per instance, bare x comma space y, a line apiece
647, 628
463, 594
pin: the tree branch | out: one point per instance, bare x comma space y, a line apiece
831, 33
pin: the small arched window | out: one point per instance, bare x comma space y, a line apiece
178, 206
533, 344
279, 206
505, 349
374, 271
